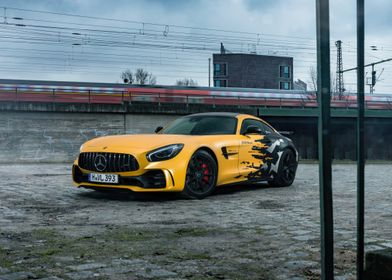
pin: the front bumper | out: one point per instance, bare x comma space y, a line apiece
143, 176
150, 180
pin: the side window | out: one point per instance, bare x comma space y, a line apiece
265, 129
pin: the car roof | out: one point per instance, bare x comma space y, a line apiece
225, 114
217, 114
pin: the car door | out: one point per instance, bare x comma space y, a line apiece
253, 154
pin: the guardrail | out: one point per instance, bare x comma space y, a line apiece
119, 96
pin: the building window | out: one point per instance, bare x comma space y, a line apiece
285, 85
220, 83
220, 69
285, 71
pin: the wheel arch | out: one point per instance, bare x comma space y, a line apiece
293, 149
278, 179
210, 151
188, 193
287, 144
290, 148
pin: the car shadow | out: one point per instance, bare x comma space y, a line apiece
127, 195
233, 189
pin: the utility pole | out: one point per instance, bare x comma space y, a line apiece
5, 15
324, 136
360, 137
339, 69
374, 79
209, 72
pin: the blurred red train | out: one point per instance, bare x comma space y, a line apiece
105, 93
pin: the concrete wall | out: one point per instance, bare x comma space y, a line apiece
56, 137
378, 139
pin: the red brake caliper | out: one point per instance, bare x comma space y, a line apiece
205, 172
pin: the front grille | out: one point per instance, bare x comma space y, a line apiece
108, 162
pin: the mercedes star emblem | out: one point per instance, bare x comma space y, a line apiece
100, 162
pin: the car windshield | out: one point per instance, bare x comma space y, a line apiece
202, 125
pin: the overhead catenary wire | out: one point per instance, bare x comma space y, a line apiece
89, 41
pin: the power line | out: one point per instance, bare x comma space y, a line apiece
153, 24
161, 46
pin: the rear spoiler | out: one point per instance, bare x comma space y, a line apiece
286, 133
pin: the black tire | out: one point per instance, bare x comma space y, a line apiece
286, 170
201, 175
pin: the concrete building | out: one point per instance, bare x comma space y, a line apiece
252, 71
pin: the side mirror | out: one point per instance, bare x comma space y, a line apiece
252, 129
159, 128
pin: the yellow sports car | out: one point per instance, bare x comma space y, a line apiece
192, 155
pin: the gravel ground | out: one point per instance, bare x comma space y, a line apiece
52, 230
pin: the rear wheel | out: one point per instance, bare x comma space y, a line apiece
286, 170
201, 175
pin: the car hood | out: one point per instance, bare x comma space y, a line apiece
140, 142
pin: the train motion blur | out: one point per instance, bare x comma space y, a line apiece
116, 93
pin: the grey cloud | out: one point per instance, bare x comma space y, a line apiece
276, 17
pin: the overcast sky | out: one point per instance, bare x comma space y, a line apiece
271, 23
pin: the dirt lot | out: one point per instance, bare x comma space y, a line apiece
51, 230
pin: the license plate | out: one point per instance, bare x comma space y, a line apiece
103, 178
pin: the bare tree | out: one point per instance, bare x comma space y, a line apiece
313, 81
140, 77
334, 90
313, 78
152, 80
187, 82
127, 77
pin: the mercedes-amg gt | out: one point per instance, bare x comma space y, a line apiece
192, 155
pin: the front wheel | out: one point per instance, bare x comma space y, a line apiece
201, 175
286, 170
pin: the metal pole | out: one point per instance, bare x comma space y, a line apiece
360, 137
324, 130
209, 72
5, 15
371, 84
367, 65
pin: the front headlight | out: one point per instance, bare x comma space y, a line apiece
165, 153
81, 148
